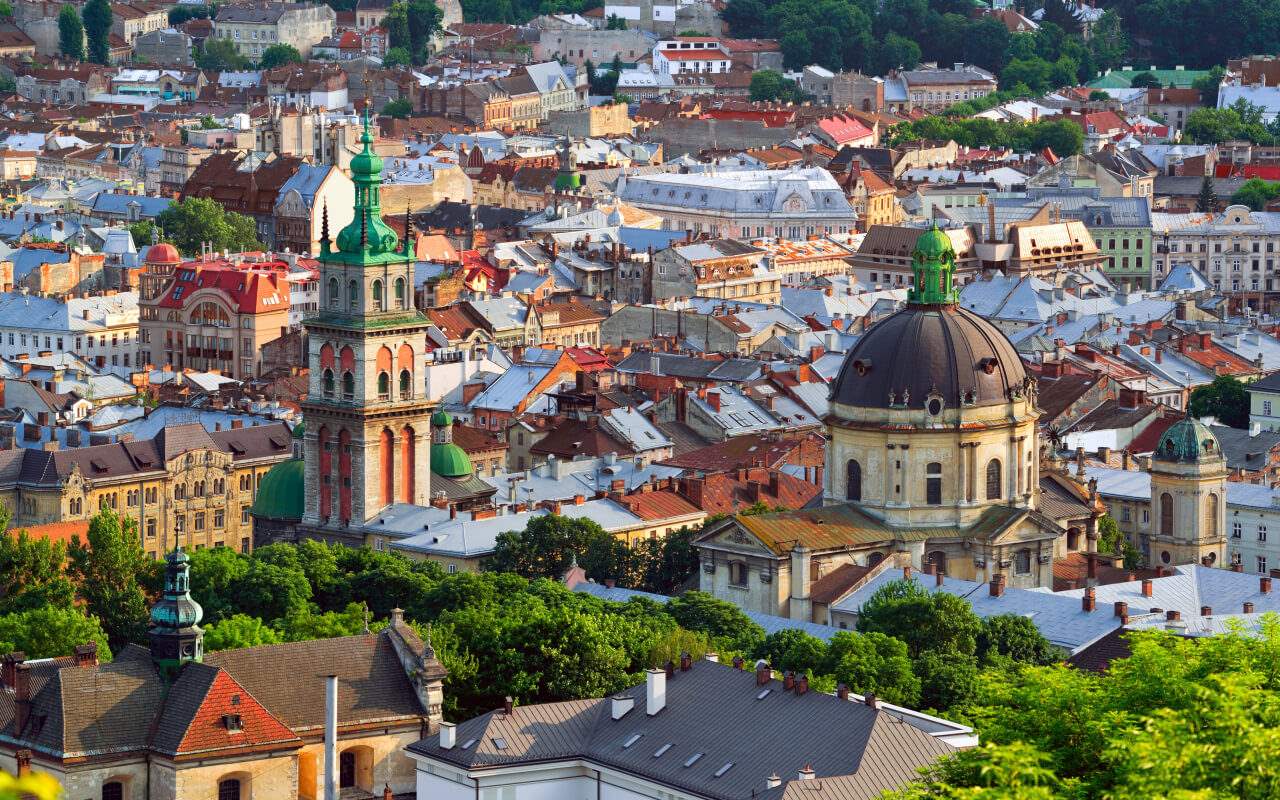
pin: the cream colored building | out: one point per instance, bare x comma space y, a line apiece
254, 28
932, 458
131, 20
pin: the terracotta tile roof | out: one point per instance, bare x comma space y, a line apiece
1146, 441
730, 492
831, 586
574, 438
249, 288
1071, 572
762, 450
476, 440
196, 718
571, 312
60, 531
659, 505
457, 321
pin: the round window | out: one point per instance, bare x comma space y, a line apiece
934, 406
1164, 556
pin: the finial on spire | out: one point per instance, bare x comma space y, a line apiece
324, 223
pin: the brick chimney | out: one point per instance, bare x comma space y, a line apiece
1172, 615
1121, 608
1206, 611
788, 681
713, 400
763, 673
1248, 607
1264, 584
87, 654
1089, 601
9, 667
686, 661
997, 585
1147, 586
802, 683
21, 698
842, 691
939, 576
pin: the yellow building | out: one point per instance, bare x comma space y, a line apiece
186, 487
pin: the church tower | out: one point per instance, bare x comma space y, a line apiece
1188, 497
174, 633
367, 418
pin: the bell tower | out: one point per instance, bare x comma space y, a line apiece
174, 632
368, 430
1188, 498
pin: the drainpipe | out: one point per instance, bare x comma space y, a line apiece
331, 737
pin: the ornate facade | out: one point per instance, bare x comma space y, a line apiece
367, 416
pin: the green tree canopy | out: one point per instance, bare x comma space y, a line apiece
105, 569
1207, 201
51, 633
770, 86
723, 620
1144, 80
96, 16
277, 55
31, 572
924, 620
1226, 399
221, 55
197, 219
398, 108
237, 632
793, 650
70, 33
1016, 638
397, 57
873, 663
1255, 193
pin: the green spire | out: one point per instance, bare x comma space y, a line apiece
934, 264
175, 634
367, 239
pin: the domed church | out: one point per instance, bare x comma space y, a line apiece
932, 460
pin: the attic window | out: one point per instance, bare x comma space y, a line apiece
235, 699
236, 448
279, 443
98, 465
499, 743
233, 723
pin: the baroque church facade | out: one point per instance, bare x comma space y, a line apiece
367, 417
933, 460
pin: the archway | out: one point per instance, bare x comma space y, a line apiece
408, 465
355, 768
387, 453
939, 561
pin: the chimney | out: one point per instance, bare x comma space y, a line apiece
1206, 611
842, 691
773, 781
906, 572
1172, 615
622, 704
806, 774
939, 576
387, 794
1146, 587
788, 681
1237, 567
655, 691
1089, 601
1122, 608
713, 400
1248, 607
763, 673
22, 697
737, 662
87, 654
449, 735
9, 667
686, 662
508, 704
997, 585
1264, 584
870, 699
802, 683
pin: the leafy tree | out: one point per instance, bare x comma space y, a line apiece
1112, 541
70, 33
769, 85
545, 548
396, 57
424, 20
1254, 193
745, 18
985, 43
1062, 15
1097, 95
947, 679
615, 23
6, 9
237, 632
198, 219
51, 632
273, 590
1208, 85
722, 620
873, 663
794, 650
32, 786
398, 108
31, 572
1208, 199
331, 624
1014, 637
277, 55
215, 573
397, 24
925, 621
1144, 80
221, 55
185, 13
1110, 41
1226, 399
97, 28
105, 569
897, 52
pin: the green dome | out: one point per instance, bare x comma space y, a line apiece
281, 492
450, 461
176, 610
933, 243
441, 419
1189, 441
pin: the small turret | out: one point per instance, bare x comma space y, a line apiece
175, 634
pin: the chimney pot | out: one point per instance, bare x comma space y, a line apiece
802, 683
763, 673
842, 691
1146, 587
686, 662
939, 576
737, 662
1264, 584
449, 735
1089, 601
1173, 615
1122, 608
1206, 611
788, 681
507, 704
807, 773
870, 700
655, 691
1248, 607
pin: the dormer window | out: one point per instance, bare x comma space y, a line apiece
234, 723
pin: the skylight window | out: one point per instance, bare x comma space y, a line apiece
499, 743
724, 769
467, 744
763, 694
693, 759
634, 738
661, 750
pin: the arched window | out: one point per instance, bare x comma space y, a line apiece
353, 296
1166, 514
335, 297
938, 559
933, 484
1211, 515
993, 479
853, 485
229, 789
406, 385
384, 386
875, 558
377, 296
348, 386
113, 790
1073, 539
328, 383
399, 298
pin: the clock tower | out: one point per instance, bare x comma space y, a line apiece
368, 432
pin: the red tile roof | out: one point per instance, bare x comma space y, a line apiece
249, 288
208, 730
662, 504
1146, 441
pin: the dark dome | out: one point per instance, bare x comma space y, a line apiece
940, 349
